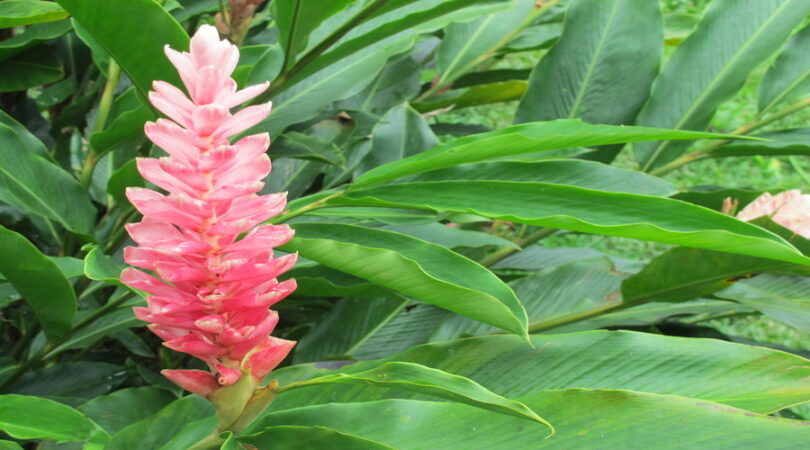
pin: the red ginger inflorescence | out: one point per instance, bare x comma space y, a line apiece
213, 294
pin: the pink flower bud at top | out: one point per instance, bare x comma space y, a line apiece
209, 293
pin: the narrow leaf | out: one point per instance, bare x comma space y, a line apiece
789, 76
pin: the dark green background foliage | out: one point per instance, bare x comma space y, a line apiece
509, 215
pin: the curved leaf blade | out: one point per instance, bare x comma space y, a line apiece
786, 298
425, 271
27, 417
425, 380
573, 208
15, 13
40, 281
789, 76
297, 437
733, 37
520, 140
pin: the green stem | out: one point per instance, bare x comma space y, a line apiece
104, 106
539, 10
533, 237
304, 209
571, 318
706, 151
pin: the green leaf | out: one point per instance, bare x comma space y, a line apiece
25, 417
466, 44
782, 142
786, 298
602, 67
789, 76
43, 187
572, 172
31, 68
112, 321
753, 378
115, 411
159, 428
98, 266
521, 140
485, 94
381, 23
14, 13
40, 281
299, 145
733, 38
347, 326
398, 82
147, 28
554, 293
425, 380
297, 437
267, 67
451, 237
400, 133
306, 98
425, 271
128, 115
31, 36
577, 209
297, 19
72, 383
122, 178
9, 445
320, 281
583, 419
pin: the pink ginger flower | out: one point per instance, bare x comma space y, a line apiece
789, 209
212, 293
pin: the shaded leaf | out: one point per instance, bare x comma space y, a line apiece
786, 298
31, 68
159, 428
789, 76
31, 36
115, 411
293, 437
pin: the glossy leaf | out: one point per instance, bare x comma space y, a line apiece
297, 19
346, 327
26, 417
733, 37
466, 44
320, 281
72, 383
40, 281
98, 266
159, 428
789, 76
710, 370
147, 27
571, 172
115, 411
14, 13
520, 140
292, 437
400, 133
31, 36
603, 415
502, 91
128, 114
116, 320
786, 298
602, 67
425, 380
577, 209
451, 237
782, 142
32, 68
414, 267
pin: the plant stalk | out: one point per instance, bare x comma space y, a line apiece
104, 106
533, 237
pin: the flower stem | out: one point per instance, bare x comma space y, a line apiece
533, 237
104, 106
281, 218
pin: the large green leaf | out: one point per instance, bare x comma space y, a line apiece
382, 22
39, 280
602, 67
583, 419
789, 76
782, 142
784, 297
31, 36
466, 44
296, 19
753, 378
451, 237
400, 133
14, 13
25, 417
425, 380
72, 383
733, 37
550, 294
484, 94
347, 326
426, 271
521, 140
159, 428
307, 437
572, 172
42, 187
115, 411
32, 68
147, 28
573, 208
